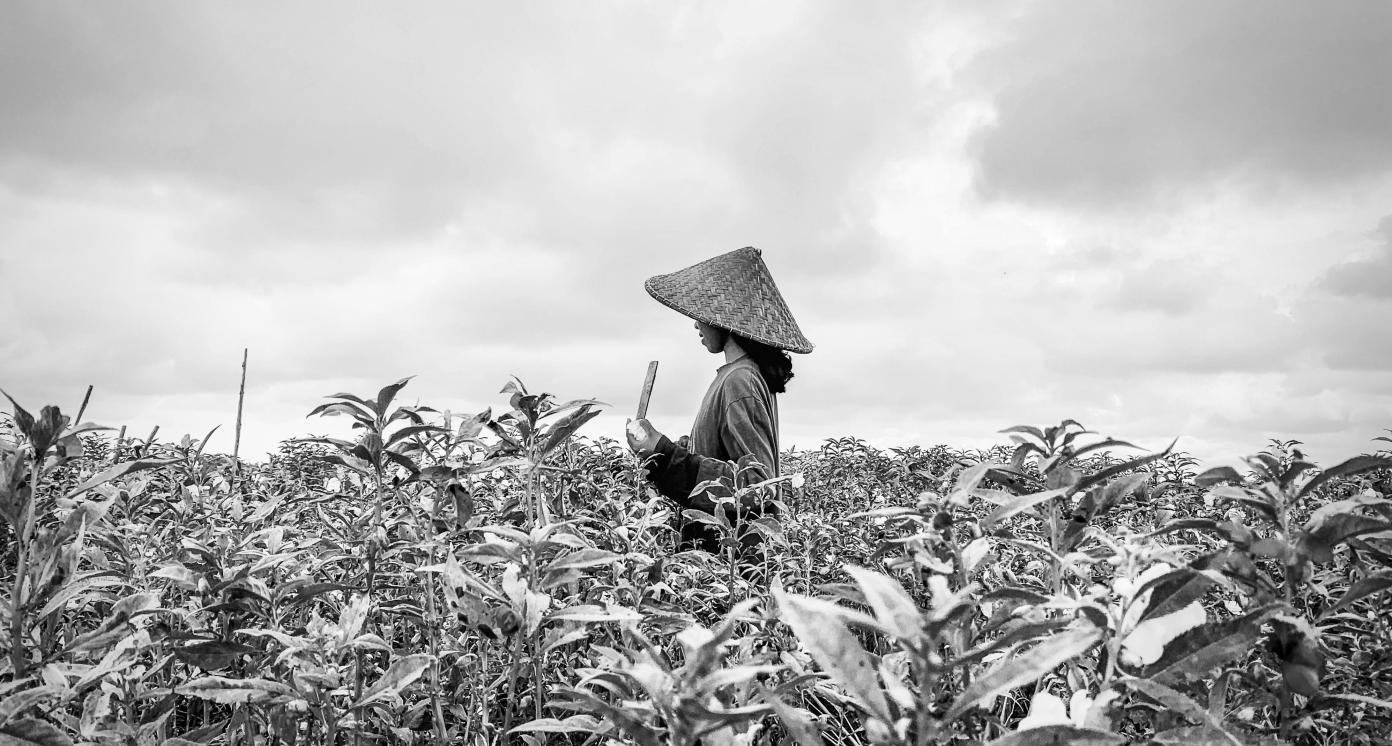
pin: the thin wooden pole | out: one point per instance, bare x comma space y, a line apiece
82, 409
241, 397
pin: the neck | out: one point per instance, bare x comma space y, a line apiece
733, 351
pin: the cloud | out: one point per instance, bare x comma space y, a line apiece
1160, 288
1365, 278
359, 193
1113, 104
461, 192
681, 135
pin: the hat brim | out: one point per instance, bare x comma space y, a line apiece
735, 292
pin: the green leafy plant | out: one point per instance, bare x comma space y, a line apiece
499, 578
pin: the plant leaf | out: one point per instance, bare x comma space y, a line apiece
22, 418
1118, 489
386, 395
1099, 445
402, 672
22, 700
1190, 735
1174, 590
1334, 530
402, 461
797, 721
337, 407
410, 430
892, 605
120, 470
1146, 642
1365, 586
567, 426
264, 510
572, 724
115, 625
1111, 471
31, 732
90, 581
1197, 651
1355, 465
1059, 735
211, 655
1019, 504
583, 558
230, 691
1176, 702
1356, 699
1026, 667
836, 650
1028, 430
1345, 506
470, 427
1242, 495
594, 613
1185, 524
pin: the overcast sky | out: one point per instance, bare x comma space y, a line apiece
1168, 219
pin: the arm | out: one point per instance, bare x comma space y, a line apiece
747, 429
676, 471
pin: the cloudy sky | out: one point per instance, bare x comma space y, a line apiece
1161, 219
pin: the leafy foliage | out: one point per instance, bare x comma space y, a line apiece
499, 578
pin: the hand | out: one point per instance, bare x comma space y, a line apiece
642, 438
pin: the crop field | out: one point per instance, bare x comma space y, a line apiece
502, 578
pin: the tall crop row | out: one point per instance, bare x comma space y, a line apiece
501, 579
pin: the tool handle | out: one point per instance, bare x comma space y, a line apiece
647, 390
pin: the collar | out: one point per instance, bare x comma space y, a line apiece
733, 363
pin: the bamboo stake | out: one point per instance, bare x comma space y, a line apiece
80, 410
241, 397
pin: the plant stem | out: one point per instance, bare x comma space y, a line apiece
23, 538
512, 683
926, 732
433, 628
482, 678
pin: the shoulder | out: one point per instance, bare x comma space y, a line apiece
743, 379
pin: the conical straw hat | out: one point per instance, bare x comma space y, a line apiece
733, 291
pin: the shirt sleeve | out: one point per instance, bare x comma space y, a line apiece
676, 471
747, 429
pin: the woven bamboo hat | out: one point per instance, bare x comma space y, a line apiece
735, 292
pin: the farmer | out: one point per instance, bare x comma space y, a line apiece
739, 314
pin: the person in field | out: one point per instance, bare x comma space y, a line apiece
740, 315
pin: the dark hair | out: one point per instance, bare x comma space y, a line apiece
775, 365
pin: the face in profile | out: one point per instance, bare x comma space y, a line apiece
712, 337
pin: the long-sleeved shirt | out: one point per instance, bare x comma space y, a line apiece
734, 441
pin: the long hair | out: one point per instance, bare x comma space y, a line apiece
775, 365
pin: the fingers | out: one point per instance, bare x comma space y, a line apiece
642, 436
636, 434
